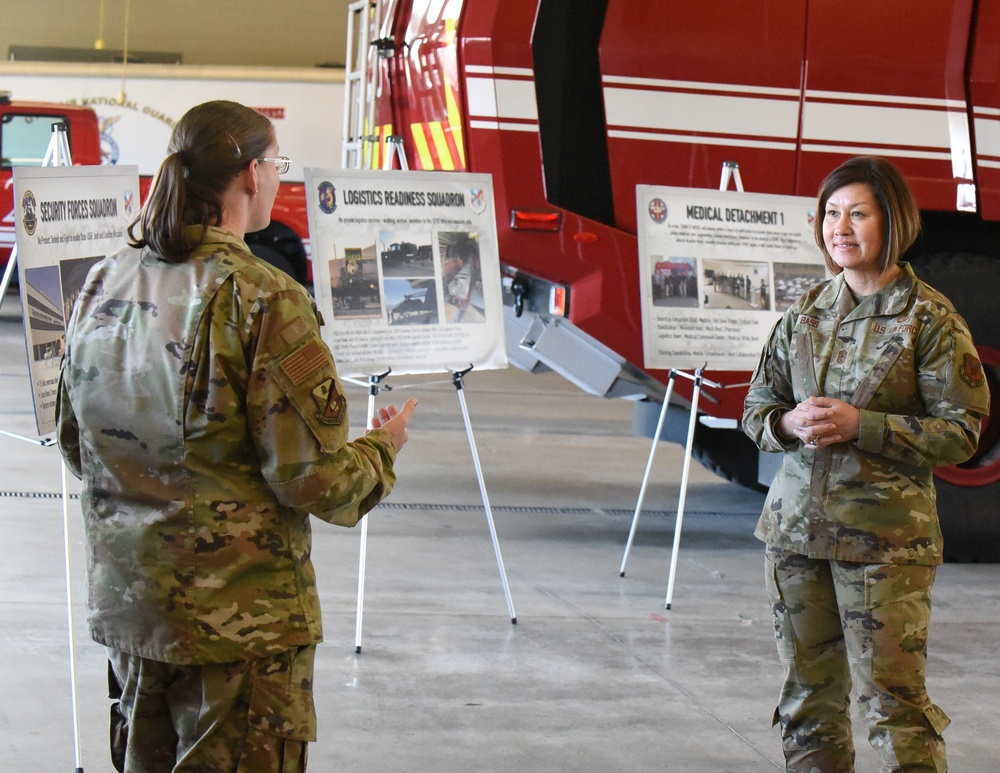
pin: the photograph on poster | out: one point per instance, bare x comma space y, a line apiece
46, 323
51, 292
354, 284
462, 275
406, 254
675, 282
736, 284
411, 301
793, 279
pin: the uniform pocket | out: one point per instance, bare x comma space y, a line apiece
281, 697
898, 607
784, 636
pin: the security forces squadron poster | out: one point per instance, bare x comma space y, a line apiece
67, 219
717, 269
406, 270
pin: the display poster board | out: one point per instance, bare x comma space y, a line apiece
67, 219
406, 270
717, 269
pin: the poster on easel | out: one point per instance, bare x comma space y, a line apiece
406, 270
67, 219
717, 269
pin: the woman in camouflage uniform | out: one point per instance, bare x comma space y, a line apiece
204, 413
866, 383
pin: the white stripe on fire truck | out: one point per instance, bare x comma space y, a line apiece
774, 91
501, 98
699, 139
743, 115
488, 69
986, 121
851, 96
876, 150
921, 128
770, 119
504, 126
671, 85
881, 125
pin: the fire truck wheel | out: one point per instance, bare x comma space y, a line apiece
969, 494
728, 453
970, 522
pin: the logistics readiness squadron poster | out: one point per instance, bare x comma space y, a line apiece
406, 270
68, 218
717, 269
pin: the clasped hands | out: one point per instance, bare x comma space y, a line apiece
819, 422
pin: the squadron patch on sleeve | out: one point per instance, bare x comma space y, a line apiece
972, 371
303, 362
332, 405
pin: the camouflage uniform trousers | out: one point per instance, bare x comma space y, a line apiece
838, 621
252, 716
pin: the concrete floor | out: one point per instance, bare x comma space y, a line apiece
595, 676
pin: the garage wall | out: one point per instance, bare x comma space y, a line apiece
292, 33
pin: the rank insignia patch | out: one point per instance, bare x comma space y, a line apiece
332, 405
972, 371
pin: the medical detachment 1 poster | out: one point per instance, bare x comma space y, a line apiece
716, 271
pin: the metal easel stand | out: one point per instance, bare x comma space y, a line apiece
394, 149
730, 171
456, 379
373, 389
57, 154
8, 274
699, 380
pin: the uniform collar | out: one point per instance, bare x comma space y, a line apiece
888, 301
213, 236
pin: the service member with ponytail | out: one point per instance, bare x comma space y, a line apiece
204, 414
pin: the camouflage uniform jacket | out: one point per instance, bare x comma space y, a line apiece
905, 358
204, 414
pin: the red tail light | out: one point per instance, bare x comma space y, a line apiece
522, 220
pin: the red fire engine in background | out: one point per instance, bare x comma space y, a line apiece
570, 104
25, 133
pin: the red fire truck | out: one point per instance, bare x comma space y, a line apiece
25, 133
570, 104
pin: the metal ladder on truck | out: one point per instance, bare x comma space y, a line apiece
360, 85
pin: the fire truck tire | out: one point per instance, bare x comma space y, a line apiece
728, 453
969, 281
970, 521
969, 494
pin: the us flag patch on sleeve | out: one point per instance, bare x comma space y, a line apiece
304, 362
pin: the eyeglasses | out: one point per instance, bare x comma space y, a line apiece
281, 163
